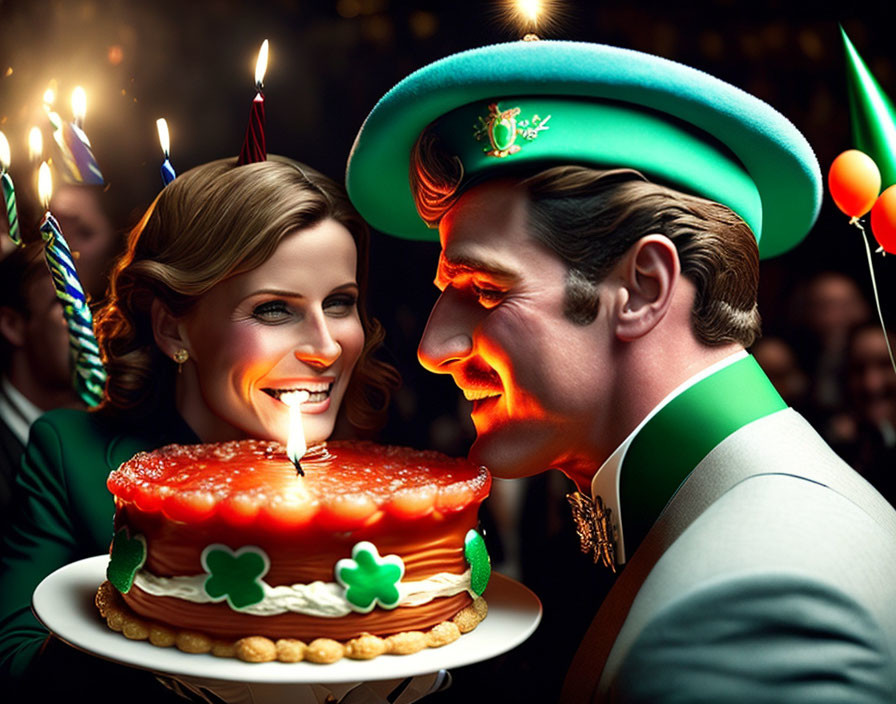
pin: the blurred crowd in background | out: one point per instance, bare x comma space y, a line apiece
823, 347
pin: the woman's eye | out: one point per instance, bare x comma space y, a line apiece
271, 311
340, 304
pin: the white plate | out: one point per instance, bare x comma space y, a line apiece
64, 604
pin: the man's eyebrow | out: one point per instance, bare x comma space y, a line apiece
459, 265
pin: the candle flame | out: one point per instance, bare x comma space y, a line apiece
529, 15
295, 446
4, 152
35, 143
44, 184
79, 104
261, 65
164, 140
530, 9
50, 94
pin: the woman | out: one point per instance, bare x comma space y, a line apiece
240, 283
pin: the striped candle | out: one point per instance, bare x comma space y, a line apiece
89, 376
9, 192
254, 148
88, 373
77, 155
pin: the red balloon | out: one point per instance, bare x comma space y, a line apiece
854, 182
883, 220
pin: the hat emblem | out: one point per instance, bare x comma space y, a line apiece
502, 129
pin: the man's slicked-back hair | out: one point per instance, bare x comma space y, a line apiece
590, 217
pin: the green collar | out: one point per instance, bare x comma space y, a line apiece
674, 441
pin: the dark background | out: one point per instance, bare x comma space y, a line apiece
193, 62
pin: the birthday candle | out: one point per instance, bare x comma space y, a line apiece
168, 174
254, 148
9, 192
295, 445
74, 147
89, 376
85, 170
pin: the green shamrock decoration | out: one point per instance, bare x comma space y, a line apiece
127, 556
480, 563
369, 579
235, 576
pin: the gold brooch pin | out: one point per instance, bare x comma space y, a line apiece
501, 128
593, 528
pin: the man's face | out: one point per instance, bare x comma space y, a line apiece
537, 381
88, 232
46, 335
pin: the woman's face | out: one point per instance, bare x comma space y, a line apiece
290, 324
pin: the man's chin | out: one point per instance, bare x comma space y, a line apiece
505, 458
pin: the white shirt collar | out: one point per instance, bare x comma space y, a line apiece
605, 483
16, 410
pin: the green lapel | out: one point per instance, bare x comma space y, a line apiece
681, 434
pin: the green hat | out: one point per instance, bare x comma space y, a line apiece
525, 105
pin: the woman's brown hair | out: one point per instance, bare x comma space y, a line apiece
213, 222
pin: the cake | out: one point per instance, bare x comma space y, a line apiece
226, 548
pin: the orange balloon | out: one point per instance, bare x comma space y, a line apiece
883, 220
854, 182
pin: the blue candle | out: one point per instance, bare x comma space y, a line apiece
168, 174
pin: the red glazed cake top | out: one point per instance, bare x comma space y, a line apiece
346, 484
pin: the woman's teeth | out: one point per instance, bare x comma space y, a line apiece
313, 395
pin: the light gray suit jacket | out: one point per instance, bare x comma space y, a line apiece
782, 590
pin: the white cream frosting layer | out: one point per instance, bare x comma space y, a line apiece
323, 599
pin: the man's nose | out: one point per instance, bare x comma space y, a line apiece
448, 337
317, 347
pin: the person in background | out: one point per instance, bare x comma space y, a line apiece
34, 358
778, 360
81, 213
864, 434
826, 308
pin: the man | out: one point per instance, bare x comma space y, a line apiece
34, 357
599, 211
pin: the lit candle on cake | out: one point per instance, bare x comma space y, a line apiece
168, 174
89, 376
254, 148
9, 192
296, 445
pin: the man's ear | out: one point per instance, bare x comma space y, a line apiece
12, 326
166, 330
650, 271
